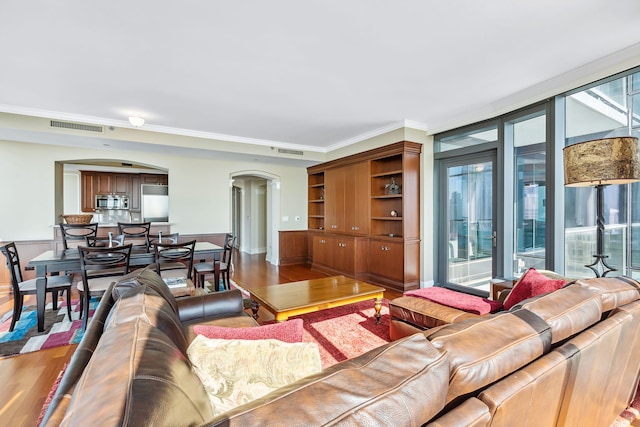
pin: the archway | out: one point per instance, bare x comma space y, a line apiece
258, 208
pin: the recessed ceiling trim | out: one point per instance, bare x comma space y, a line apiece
25, 111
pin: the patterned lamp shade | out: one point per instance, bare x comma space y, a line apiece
604, 161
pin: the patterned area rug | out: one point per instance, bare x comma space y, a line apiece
347, 331
58, 329
342, 332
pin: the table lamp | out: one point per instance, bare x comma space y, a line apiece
598, 163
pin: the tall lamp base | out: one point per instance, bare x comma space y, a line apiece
606, 268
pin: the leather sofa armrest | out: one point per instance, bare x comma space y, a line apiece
201, 307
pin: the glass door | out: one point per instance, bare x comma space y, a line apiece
468, 206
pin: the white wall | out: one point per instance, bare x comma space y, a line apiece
72, 192
200, 194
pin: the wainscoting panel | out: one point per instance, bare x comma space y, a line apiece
293, 247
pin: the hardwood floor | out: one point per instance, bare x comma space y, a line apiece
27, 378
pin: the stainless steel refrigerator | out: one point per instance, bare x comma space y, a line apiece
155, 203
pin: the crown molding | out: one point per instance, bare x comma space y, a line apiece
100, 121
377, 132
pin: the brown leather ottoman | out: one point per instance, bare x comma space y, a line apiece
411, 314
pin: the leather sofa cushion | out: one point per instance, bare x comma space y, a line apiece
143, 303
534, 393
596, 360
568, 311
381, 387
146, 277
614, 291
142, 379
485, 349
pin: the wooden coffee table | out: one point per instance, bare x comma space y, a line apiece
290, 299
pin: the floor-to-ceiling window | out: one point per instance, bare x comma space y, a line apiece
467, 201
606, 109
514, 236
533, 205
525, 135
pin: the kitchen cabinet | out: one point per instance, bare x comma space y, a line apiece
88, 192
103, 183
134, 194
93, 183
121, 184
158, 179
364, 212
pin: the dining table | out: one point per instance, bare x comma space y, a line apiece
57, 261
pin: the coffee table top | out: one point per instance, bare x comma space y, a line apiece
313, 292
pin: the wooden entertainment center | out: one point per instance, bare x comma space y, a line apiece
364, 216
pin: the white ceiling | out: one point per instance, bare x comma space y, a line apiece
315, 75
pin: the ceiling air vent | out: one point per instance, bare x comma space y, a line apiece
285, 151
75, 126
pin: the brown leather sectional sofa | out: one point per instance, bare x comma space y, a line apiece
566, 358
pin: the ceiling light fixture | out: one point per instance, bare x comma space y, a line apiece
136, 121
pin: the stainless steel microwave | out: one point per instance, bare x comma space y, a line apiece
112, 201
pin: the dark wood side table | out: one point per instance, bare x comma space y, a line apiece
499, 285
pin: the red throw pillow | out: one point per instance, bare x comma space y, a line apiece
289, 331
531, 284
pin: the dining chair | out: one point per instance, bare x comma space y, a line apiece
219, 267
20, 287
109, 241
100, 266
163, 238
174, 260
136, 233
73, 235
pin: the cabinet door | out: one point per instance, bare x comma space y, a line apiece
334, 199
88, 196
356, 188
322, 250
103, 183
134, 193
120, 184
344, 255
386, 259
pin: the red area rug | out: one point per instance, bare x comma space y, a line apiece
345, 332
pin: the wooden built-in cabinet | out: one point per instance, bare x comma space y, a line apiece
346, 199
364, 215
340, 254
126, 184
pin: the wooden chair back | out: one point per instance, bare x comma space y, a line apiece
170, 255
74, 235
136, 233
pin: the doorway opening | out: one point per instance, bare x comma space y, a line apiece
255, 208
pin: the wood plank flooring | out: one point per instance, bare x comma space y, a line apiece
27, 378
